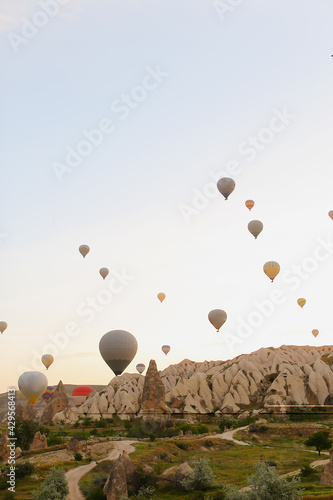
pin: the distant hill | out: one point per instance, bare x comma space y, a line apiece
40, 404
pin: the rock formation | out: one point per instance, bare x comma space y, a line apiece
153, 394
58, 402
26, 412
123, 479
39, 442
173, 475
4, 449
326, 478
222, 386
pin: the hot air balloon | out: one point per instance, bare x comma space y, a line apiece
32, 385
118, 348
140, 367
84, 249
330, 213
301, 302
271, 269
47, 395
3, 326
315, 332
249, 204
226, 186
217, 317
165, 349
47, 360
255, 227
161, 296
104, 272
80, 394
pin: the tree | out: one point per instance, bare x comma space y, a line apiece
320, 440
200, 478
25, 432
54, 487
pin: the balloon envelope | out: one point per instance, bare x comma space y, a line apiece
249, 204
84, 249
271, 269
315, 332
226, 186
165, 349
217, 317
118, 348
301, 302
330, 213
161, 296
47, 360
255, 227
3, 326
104, 272
47, 395
140, 367
32, 385
80, 394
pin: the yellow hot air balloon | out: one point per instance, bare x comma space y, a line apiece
165, 349
217, 317
315, 332
255, 227
104, 272
249, 204
161, 296
271, 269
330, 213
226, 186
3, 326
301, 302
32, 385
84, 249
47, 360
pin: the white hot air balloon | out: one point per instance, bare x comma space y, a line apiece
32, 385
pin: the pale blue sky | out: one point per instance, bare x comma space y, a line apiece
223, 81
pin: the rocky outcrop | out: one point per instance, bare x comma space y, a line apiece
173, 475
326, 478
153, 394
26, 412
58, 403
39, 442
4, 448
76, 446
220, 386
123, 479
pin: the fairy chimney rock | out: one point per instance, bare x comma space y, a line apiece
153, 394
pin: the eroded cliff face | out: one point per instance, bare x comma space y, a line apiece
269, 376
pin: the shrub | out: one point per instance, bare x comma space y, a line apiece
78, 457
24, 432
53, 440
96, 494
101, 423
307, 471
54, 486
265, 484
200, 478
22, 470
146, 492
182, 446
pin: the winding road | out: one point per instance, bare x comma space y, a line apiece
73, 476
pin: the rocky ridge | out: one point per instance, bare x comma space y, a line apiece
269, 376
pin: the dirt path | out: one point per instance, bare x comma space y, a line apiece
228, 435
73, 476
